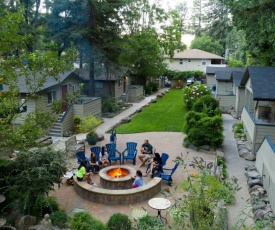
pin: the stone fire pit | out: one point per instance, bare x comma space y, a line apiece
117, 177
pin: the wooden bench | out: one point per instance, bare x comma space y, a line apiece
115, 197
72, 145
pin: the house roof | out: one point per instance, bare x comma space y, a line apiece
262, 82
213, 69
237, 77
195, 54
50, 82
225, 74
113, 74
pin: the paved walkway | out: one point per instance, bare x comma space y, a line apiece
235, 167
171, 143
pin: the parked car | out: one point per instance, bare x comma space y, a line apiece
190, 81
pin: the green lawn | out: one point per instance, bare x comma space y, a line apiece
165, 115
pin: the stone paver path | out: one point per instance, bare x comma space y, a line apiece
235, 167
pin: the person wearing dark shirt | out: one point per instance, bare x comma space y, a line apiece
154, 163
146, 152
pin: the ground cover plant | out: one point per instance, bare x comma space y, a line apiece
165, 115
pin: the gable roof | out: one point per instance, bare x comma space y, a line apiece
213, 69
195, 54
262, 82
237, 77
113, 74
50, 82
225, 75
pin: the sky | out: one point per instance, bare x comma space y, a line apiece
186, 38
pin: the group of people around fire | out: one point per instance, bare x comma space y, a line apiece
146, 155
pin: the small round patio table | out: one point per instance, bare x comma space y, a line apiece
160, 204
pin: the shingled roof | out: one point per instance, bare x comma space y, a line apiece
213, 69
237, 77
50, 82
195, 54
262, 82
225, 74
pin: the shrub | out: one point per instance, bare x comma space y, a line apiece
205, 131
154, 86
84, 221
89, 124
59, 218
220, 162
77, 120
45, 205
207, 104
150, 223
119, 221
148, 90
109, 105
192, 93
191, 120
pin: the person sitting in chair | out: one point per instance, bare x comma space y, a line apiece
82, 173
103, 156
94, 163
154, 164
146, 152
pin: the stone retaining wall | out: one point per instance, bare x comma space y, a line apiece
114, 197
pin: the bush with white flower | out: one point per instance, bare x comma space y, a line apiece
193, 92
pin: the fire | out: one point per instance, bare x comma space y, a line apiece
116, 173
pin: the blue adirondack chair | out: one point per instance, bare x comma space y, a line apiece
96, 150
168, 176
80, 157
114, 155
130, 152
164, 158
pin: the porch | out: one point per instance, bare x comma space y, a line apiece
257, 127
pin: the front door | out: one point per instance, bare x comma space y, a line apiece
64, 94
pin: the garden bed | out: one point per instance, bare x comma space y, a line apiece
113, 114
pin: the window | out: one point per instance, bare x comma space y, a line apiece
181, 62
189, 60
203, 62
120, 82
99, 85
51, 96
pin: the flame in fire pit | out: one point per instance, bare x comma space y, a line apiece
117, 173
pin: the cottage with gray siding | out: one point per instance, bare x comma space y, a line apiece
265, 162
53, 90
224, 88
238, 91
258, 114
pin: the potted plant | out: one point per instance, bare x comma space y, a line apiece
88, 125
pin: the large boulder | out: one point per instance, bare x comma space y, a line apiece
259, 214
125, 120
259, 205
243, 152
252, 174
252, 182
250, 157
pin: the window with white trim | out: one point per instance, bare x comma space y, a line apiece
51, 96
203, 62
